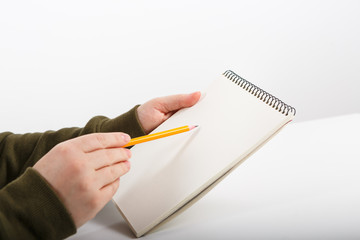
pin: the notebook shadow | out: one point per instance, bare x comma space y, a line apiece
173, 163
123, 229
110, 218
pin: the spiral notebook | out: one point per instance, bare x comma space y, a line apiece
235, 118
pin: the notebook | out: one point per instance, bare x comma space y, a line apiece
235, 118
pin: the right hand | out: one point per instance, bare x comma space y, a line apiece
85, 171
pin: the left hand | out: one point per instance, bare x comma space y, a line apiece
84, 172
156, 111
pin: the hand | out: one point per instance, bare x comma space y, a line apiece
156, 111
85, 172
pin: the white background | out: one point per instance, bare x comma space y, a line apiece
62, 62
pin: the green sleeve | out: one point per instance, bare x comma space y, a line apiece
29, 208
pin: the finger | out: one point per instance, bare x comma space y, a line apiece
108, 191
96, 141
176, 102
106, 157
109, 174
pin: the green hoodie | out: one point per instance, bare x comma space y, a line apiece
29, 207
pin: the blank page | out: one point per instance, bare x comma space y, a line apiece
166, 173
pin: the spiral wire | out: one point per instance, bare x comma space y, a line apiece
266, 97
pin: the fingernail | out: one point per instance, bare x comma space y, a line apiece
127, 164
126, 137
128, 152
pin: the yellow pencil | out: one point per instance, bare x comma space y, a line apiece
158, 135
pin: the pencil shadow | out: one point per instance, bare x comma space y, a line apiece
186, 143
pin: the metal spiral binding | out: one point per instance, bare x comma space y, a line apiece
260, 93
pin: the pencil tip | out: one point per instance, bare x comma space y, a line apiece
193, 126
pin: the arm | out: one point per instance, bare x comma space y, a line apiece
30, 207
18, 152
70, 183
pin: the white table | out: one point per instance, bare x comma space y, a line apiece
303, 184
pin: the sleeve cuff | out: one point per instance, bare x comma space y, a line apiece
33, 208
127, 122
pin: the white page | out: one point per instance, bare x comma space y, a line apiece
166, 173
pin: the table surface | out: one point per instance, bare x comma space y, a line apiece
303, 184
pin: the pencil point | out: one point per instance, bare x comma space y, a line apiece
193, 126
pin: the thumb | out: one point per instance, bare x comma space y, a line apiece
176, 102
